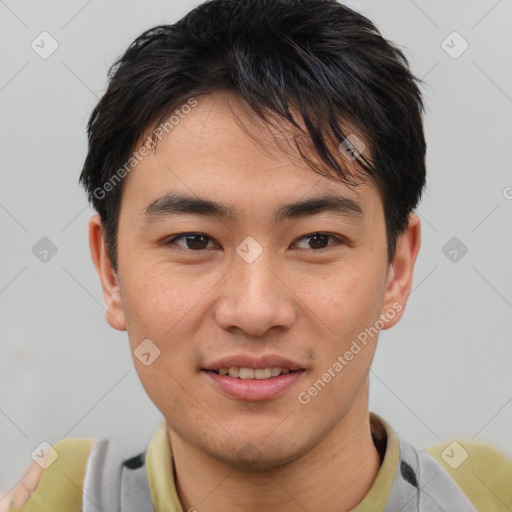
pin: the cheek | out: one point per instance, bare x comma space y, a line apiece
157, 298
165, 306
347, 300
346, 307
158, 309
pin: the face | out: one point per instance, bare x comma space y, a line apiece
233, 253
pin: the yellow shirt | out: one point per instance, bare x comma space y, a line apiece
485, 475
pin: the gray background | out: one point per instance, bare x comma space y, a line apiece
443, 372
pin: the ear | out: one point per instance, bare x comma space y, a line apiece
400, 272
114, 313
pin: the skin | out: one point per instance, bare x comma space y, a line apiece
305, 303
28, 484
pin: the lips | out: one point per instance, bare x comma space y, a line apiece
247, 378
255, 363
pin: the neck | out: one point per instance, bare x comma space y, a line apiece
334, 476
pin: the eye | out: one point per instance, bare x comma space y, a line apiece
199, 241
193, 241
318, 241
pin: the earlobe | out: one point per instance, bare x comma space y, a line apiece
399, 281
114, 312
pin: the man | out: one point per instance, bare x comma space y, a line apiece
255, 169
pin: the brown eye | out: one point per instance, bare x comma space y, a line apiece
192, 241
317, 241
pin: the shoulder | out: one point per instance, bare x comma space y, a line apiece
480, 470
55, 481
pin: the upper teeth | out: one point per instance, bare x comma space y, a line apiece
252, 373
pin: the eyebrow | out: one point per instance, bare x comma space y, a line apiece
175, 204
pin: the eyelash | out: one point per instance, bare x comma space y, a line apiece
338, 241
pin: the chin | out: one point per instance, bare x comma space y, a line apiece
253, 459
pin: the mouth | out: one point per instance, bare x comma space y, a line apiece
236, 372
253, 384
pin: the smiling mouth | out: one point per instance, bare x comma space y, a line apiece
253, 373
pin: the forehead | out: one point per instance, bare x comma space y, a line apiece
220, 146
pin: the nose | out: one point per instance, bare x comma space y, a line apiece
255, 297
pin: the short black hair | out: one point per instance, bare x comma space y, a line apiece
316, 59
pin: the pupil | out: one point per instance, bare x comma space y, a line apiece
197, 241
322, 239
